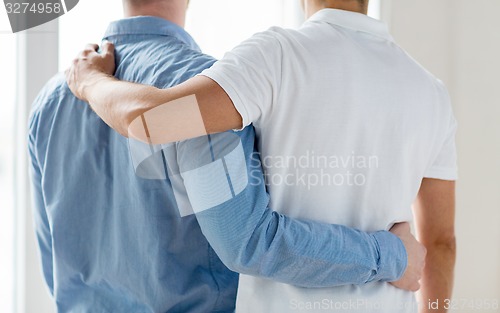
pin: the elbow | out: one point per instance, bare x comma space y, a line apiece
245, 257
228, 255
231, 248
450, 244
445, 244
251, 249
238, 259
235, 266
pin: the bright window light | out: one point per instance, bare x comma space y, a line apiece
86, 23
217, 32
208, 22
7, 106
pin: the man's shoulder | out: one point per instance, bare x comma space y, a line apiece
48, 102
185, 65
52, 91
274, 36
161, 63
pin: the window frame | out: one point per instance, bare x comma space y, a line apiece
37, 62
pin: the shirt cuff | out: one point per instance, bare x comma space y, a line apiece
442, 173
393, 258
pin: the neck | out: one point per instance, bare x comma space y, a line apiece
313, 6
173, 11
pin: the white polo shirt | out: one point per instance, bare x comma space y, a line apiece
348, 126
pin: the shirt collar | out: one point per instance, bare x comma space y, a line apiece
353, 20
149, 25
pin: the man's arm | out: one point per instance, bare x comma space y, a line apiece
435, 220
252, 239
120, 103
42, 227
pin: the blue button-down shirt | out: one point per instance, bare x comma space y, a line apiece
112, 241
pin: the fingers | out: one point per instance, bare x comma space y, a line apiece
68, 76
401, 228
405, 226
416, 253
409, 286
91, 47
415, 287
108, 47
89, 63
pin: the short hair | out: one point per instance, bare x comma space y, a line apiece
361, 2
140, 2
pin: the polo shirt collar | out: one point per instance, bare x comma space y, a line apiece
149, 25
353, 20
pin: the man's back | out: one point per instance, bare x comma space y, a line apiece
348, 127
111, 241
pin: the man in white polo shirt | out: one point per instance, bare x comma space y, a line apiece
336, 102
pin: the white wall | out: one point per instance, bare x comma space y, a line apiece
477, 96
459, 41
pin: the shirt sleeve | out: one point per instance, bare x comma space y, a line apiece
42, 226
251, 75
251, 238
444, 165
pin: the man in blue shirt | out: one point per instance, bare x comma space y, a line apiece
111, 241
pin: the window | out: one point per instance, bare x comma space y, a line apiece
207, 22
211, 30
216, 31
7, 106
86, 23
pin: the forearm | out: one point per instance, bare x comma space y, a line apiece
299, 252
435, 217
437, 280
117, 102
194, 108
252, 239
